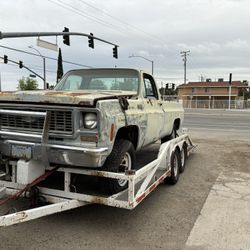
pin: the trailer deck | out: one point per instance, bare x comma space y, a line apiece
141, 182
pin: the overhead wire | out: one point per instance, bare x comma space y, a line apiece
47, 57
121, 21
35, 67
100, 21
84, 14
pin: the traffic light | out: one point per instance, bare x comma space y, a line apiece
20, 64
91, 40
5, 59
66, 37
115, 52
173, 86
167, 86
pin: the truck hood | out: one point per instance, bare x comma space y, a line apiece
85, 98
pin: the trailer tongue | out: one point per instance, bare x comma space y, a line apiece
166, 167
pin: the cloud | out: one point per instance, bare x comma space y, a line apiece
215, 32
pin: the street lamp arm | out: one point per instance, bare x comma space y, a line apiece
152, 62
31, 47
142, 57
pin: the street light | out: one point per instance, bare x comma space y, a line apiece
44, 65
152, 62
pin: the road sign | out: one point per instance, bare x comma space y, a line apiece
47, 45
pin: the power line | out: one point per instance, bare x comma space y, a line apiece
40, 68
47, 57
118, 19
79, 12
30, 66
83, 14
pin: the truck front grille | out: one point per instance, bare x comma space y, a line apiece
60, 122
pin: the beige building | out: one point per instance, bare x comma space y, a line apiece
210, 94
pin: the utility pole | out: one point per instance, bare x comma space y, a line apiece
184, 54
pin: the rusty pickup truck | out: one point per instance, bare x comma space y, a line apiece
93, 118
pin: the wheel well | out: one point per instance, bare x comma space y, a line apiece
177, 123
178, 149
129, 133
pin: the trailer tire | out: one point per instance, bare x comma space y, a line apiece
121, 158
175, 168
183, 155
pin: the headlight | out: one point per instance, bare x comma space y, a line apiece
90, 121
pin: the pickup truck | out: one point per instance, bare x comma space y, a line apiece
93, 118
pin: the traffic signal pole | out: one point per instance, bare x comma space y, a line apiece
36, 34
4, 35
21, 65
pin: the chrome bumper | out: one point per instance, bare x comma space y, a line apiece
59, 154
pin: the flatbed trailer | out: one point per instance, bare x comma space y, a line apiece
170, 161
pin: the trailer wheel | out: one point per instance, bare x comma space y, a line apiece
175, 168
183, 155
121, 158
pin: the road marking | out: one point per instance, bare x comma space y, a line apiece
224, 221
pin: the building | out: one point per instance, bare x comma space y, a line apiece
210, 94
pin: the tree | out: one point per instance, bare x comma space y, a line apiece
27, 84
59, 66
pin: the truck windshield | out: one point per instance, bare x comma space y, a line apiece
109, 80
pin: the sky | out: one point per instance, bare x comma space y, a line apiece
214, 31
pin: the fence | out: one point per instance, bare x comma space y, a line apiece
216, 104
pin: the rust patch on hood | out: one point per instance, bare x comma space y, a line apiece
63, 93
52, 93
7, 93
77, 94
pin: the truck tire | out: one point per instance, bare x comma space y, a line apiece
183, 155
175, 164
121, 158
170, 137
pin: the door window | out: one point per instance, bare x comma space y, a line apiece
150, 90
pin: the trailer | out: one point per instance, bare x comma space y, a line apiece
166, 168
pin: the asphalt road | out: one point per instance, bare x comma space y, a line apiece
218, 120
165, 219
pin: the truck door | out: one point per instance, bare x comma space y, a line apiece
153, 109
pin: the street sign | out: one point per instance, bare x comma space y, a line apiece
47, 45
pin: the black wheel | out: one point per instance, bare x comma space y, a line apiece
121, 158
171, 136
175, 168
183, 155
